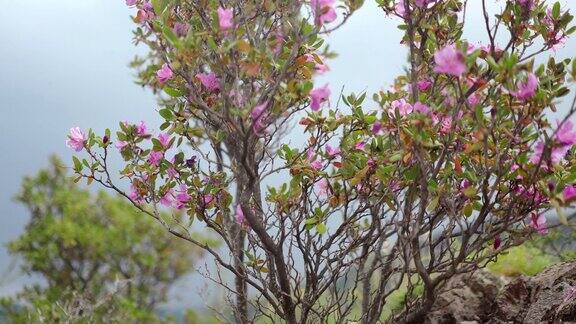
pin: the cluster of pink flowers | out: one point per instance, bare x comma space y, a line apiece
563, 140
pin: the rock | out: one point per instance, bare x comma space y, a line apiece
546, 297
480, 297
466, 298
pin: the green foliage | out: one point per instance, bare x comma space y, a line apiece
521, 260
100, 257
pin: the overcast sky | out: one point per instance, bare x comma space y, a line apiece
64, 64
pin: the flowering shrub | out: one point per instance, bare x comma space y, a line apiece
436, 177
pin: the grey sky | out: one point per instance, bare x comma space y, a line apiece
64, 64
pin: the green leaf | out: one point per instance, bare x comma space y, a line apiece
77, 164
556, 10
321, 228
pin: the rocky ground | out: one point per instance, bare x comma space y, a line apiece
549, 297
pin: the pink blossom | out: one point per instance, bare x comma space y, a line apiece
318, 96
424, 85
322, 187
446, 125
400, 9
332, 151
121, 145
314, 162
563, 140
421, 108
473, 100
141, 129
360, 145
323, 11
164, 139
526, 90
168, 198
320, 68
565, 135
76, 139
538, 222
182, 197
209, 80
569, 192
164, 74
404, 108
155, 157
135, 195
131, 2
225, 18
449, 60
146, 13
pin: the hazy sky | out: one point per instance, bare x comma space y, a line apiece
64, 64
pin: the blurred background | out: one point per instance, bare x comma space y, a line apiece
64, 63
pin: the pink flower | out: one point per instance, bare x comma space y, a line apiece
473, 100
526, 90
320, 68
135, 195
421, 108
538, 222
168, 198
446, 125
207, 199
360, 145
314, 162
404, 108
141, 129
424, 85
225, 18
400, 9
449, 60
180, 29
76, 139
563, 140
155, 157
121, 145
164, 74
209, 80
322, 188
164, 139
565, 135
130, 2
182, 197
332, 151
318, 96
323, 11
569, 192
376, 128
